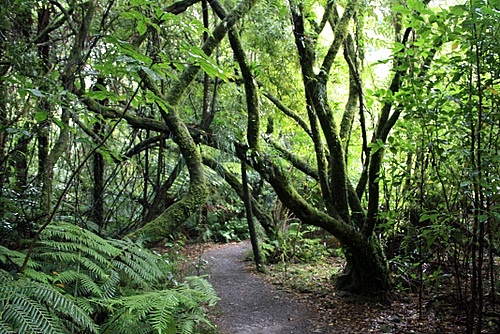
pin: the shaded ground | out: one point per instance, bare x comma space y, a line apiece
301, 299
249, 305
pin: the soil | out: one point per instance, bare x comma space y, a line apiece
248, 304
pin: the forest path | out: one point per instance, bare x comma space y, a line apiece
249, 305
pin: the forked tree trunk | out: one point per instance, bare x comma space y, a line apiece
366, 272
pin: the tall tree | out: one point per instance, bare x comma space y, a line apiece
168, 106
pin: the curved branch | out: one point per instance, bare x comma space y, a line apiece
197, 192
282, 184
340, 35
290, 113
326, 16
265, 219
296, 162
180, 6
145, 144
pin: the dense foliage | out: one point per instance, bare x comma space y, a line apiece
76, 281
123, 123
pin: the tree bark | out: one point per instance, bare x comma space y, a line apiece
197, 193
249, 214
71, 68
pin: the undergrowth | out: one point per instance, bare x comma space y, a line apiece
296, 243
301, 258
78, 282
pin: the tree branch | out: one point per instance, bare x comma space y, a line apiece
287, 111
340, 33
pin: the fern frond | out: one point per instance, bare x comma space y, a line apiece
142, 262
64, 259
68, 232
21, 321
127, 326
130, 273
5, 276
5, 328
87, 305
204, 289
83, 274
187, 326
66, 305
141, 304
86, 285
108, 288
31, 316
33, 307
177, 310
15, 257
162, 317
73, 247
37, 275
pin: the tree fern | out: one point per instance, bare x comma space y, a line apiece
27, 306
59, 260
75, 276
169, 311
80, 236
96, 255
139, 263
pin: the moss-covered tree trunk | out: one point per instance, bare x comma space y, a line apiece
366, 272
343, 216
197, 193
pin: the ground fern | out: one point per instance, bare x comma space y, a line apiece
171, 311
78, 282
27, 306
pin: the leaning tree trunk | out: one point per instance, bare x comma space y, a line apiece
197, 193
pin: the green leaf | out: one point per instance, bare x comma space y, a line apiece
482, 218
36, 92
98, 95
40, 116
210, 67
376, 146
142, 27
402, 9
130, 51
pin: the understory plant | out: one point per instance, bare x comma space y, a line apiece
78, 282
295, 243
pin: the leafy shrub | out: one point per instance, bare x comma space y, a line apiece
78, 282
232, 230
293, 244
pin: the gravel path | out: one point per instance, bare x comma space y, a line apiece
248, 305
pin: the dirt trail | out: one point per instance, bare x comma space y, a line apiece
249, 305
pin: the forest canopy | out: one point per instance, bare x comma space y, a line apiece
128, 124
